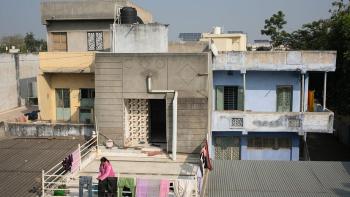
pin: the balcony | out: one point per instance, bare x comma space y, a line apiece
276, 61
67, 62
317, 122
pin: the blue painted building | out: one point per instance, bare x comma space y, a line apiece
259, 103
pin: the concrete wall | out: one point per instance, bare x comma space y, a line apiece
141, 38
227, 42
250, 153
276, 61
67, 62
47, 130
122, 76
8, 84
260, 85
86, 10
77, 33
188, 47
28, 69
47, 95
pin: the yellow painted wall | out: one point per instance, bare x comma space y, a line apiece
67, 62
47, 84
227, 42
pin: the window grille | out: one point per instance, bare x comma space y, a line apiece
95, 41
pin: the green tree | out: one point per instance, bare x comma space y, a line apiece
274, 28
34, 45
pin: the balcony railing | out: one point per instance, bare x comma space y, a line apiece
318, 122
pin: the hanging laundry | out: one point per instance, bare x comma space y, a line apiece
76, 161
147, 188
112, 186
67, 163
126, 187
199, 180
164, 188
185, 188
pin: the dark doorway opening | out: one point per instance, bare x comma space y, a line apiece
157, 121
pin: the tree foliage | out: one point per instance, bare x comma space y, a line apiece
328, 34
27, 44
274, 28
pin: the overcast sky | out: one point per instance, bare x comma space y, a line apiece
21, 16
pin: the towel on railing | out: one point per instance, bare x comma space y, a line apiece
184, 188
164, 188
124, 183
76, 161
147, 188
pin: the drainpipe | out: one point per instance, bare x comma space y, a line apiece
324, 91
149, 90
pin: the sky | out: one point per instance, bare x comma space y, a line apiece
21, 16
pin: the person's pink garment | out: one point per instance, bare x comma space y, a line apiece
164, 188
106, 170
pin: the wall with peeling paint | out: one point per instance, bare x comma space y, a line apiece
260, 87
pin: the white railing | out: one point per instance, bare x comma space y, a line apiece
58, 175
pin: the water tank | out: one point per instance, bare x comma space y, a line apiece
216, 30
128, 15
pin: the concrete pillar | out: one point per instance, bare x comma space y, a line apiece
302, 91
295, 148
244, 147
243, 72
324, 90
19, 103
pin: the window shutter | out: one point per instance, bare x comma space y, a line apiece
219, 97
240, 99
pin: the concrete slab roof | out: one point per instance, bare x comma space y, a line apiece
276, 61
22, 160
279, 178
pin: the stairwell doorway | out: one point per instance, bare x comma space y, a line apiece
157, 121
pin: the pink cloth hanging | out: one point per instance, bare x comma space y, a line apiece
76, 161
164, 188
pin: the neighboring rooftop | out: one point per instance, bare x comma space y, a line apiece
52, 10
278, 178
22, 160
277, 61
188, 37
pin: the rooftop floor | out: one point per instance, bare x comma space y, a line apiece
22, 160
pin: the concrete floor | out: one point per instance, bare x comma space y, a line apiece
137, 164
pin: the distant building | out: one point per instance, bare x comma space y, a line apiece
262, 104
231, 41
190, 37
261, 45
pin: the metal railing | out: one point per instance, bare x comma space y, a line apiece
57, 176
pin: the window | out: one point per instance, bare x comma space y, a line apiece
284, 98
269, 142
87, 93
95, 41
229, 98
59, 41
87, 98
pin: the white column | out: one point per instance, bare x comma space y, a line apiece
174, 148
324, 90
302, 91
244, 88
